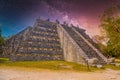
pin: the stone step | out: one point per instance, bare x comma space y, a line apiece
85, 47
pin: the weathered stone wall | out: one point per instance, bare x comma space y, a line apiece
35, 57
72, 52
11, 45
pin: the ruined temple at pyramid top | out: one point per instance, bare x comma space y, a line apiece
52, 41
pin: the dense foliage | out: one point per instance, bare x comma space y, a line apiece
1, 41
111, 24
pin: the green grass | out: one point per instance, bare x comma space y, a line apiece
112, 67
50, 65
2, 60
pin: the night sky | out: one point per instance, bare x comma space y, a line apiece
16, 15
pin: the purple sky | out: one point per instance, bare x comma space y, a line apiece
18, 14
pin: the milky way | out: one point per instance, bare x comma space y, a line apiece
15, 15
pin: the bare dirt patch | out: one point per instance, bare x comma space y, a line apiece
13, 74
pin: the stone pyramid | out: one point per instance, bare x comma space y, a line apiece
52, 41
40, 42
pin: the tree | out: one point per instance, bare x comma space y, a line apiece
1, 41
111, 24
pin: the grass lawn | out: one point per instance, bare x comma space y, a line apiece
2, 60
112, 66
50, 65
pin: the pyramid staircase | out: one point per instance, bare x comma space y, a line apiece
40, 42
85, 43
